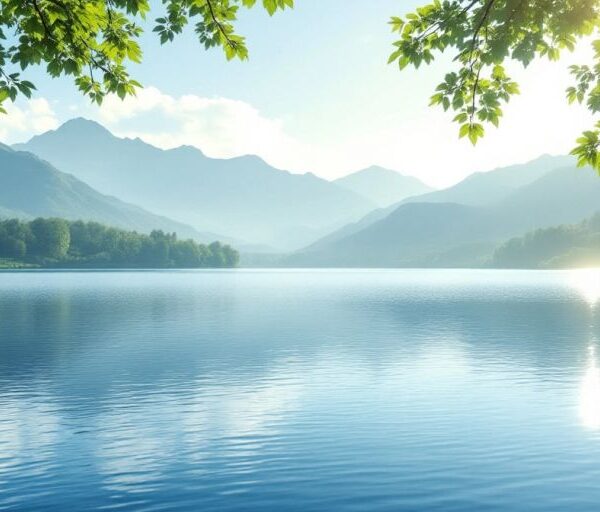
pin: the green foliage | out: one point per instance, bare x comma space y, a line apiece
555, 247
50, 238
56, 242
94, 40
483, 34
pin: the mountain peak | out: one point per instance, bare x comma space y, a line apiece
73, 130
373, 170
378, 168
382, 186
83, 125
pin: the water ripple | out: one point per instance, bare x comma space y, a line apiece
309, 390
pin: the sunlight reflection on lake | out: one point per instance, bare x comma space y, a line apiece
589, 397
385, 390
587, 283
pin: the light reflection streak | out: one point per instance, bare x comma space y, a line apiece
589, 393
587, 283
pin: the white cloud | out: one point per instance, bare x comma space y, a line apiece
25, 119
424, 144
220, 127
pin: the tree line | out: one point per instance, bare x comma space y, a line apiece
61, 243
564, 246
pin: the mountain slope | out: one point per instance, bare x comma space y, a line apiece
486, 188
412, 235
448, 234
564, 195
243, 197
30, 187
349, 229
383, 186
480, 189
563, 246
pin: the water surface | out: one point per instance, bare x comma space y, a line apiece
355, 390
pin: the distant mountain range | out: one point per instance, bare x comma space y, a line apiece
243, 197
31, 187
486, 188
382, 186
374, 217
462, 225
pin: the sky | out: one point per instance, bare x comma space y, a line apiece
316, 95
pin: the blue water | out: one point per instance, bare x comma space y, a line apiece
300, 391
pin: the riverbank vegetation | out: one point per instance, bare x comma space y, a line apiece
59, 243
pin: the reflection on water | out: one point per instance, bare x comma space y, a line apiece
589, 402
306, 390
587, 282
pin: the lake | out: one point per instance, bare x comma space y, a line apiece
324, 390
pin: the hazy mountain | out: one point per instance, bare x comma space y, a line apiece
31, 187
351, 228
449, 234
564, 195
486, 188
412, 235
243, 197
383, 186
479, 189
564, 246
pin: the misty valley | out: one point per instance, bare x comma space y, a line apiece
503, 218
142, 368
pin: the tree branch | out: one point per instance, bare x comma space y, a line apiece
231, 43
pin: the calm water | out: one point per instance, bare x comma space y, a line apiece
300, 391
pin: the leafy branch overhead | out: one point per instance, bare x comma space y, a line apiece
94, 40
483, 35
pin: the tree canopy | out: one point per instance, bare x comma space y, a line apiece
94, 40
565, 246
60, 243
483, 35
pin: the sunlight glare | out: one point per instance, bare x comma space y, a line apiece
587, 283
589, 395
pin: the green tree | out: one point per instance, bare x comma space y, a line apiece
58, 242
231, 256
11, 247
94, 40
483, 35
217, 256
186, 254
51, 237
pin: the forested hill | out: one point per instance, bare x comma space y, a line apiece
30, 187
565, 246
242, 197
57, 242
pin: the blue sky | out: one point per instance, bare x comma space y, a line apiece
316, 95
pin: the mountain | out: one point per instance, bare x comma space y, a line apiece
479, 189
563, 195
453, 234
350, 229
243, 197
486, 188
564, 246
383, 186
31, 187
412, 235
